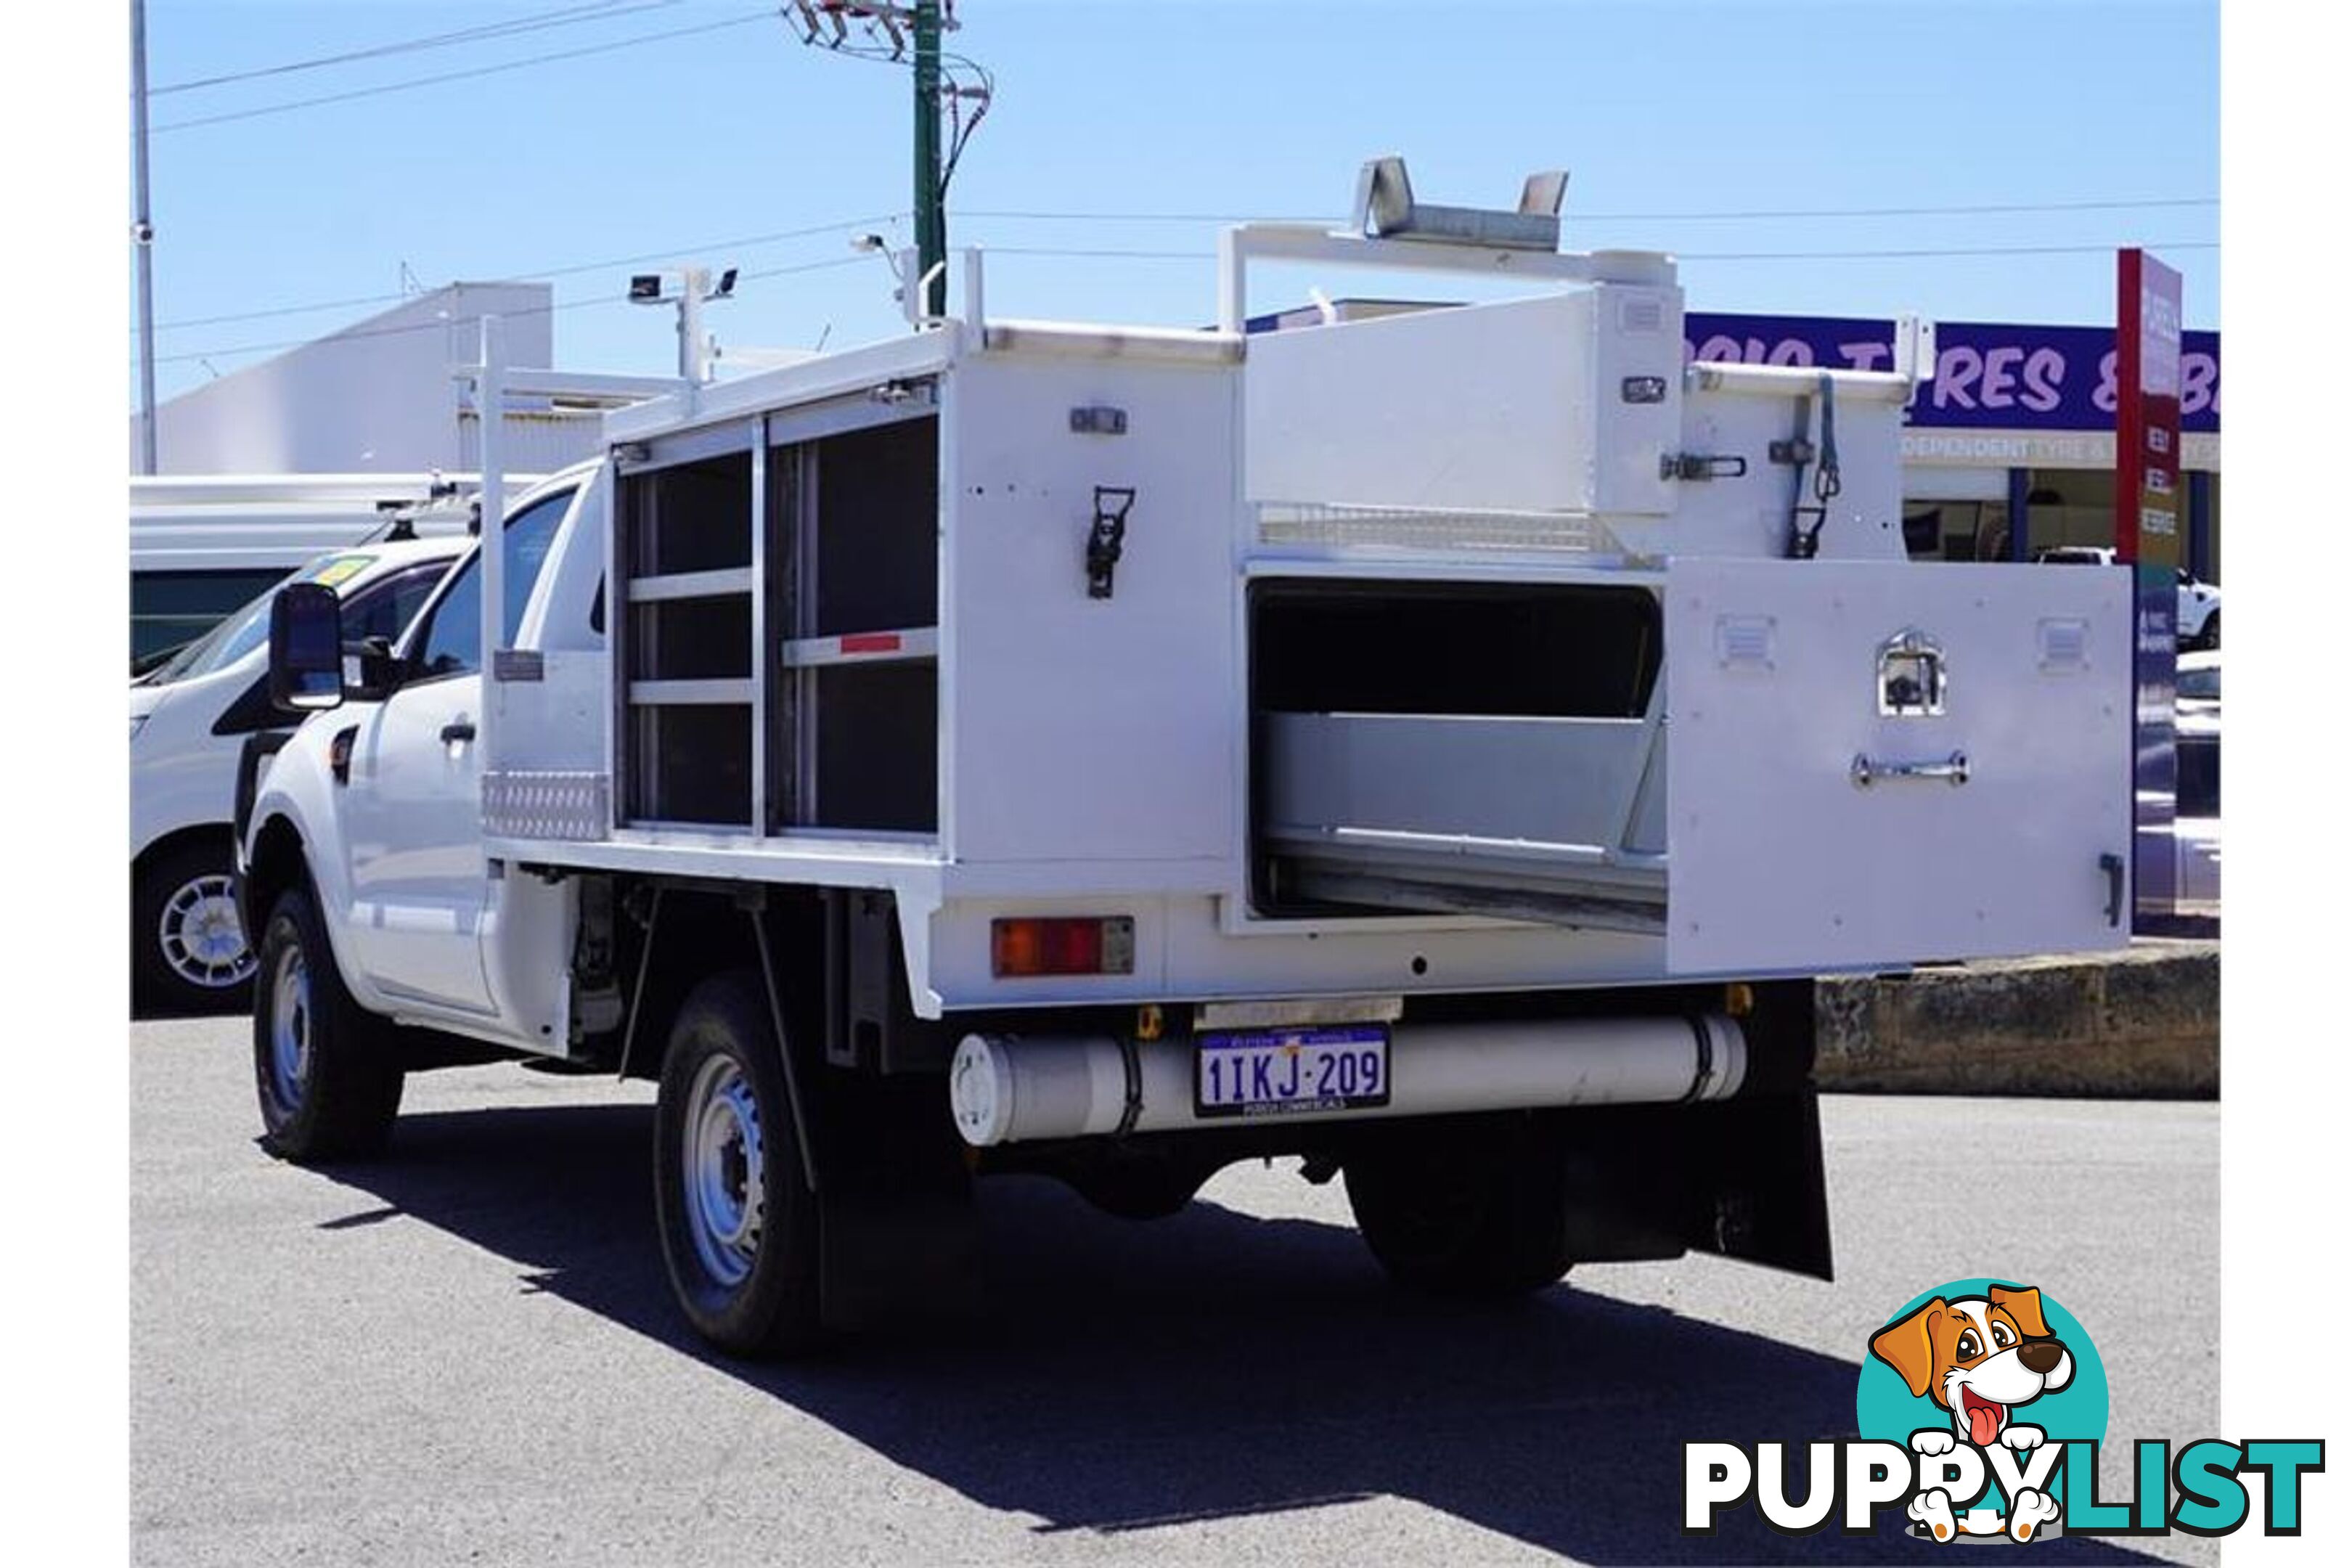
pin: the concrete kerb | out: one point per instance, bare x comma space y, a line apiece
2141, 1023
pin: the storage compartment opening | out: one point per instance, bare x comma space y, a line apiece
876, 546
1535, 650
1422, 748
685, 649
693, 517
855, 717
877, 757
694, 765
691, 639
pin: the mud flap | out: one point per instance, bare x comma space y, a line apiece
1762, 1191
1743, 1178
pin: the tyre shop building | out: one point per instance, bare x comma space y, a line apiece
2012, 448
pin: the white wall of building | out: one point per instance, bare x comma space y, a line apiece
375, 398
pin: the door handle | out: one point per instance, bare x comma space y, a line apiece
457, 729
1953, 770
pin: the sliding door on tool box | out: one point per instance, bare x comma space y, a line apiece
779, 649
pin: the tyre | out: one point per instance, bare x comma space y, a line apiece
2210, 635
739, 1225
322, 1067
188, 949
1479, 1211
1138, 1186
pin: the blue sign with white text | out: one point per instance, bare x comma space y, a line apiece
1989, 375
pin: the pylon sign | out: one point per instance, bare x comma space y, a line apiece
2147, 538
2148, 410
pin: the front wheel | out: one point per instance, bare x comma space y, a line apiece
738, 1218
2210, 635
1464, 1211
328, 1084
188, 951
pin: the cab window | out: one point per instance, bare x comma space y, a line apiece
452, 642
385, 611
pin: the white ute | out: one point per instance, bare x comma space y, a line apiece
190, 718
1442, 747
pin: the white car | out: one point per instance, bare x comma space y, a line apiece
2197, 683
189, 720
2197, 814
2197, 604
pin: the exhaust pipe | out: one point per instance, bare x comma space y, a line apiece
1009, 1089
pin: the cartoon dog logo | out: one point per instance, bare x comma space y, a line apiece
1979, 1357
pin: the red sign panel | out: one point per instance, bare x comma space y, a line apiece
2148, 534
2148, 501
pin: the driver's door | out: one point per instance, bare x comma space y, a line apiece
412, 814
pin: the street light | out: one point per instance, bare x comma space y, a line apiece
693, 291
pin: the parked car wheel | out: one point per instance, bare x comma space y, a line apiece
1464, 1211
2209, 634
322, 1067
188, 949
738, 1218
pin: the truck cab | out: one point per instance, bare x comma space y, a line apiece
389, 782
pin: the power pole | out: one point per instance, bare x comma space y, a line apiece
930, 205
945, 85
142, 237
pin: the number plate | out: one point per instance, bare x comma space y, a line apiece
1265, 1072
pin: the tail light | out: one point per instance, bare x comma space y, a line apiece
1061, 944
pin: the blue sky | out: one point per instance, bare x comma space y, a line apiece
736, 130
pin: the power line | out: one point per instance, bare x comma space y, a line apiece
1970, 209
1974, 209
1204, 255
603, 11
1937, 251
359, 333
750, 240
478, 71
355, 300
743, 242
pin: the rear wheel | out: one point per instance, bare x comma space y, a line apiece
737, 1218
1466, 1211
322, 1068
2209, 635
188, 949
1131, 1185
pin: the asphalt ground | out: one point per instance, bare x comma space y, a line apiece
467, 1352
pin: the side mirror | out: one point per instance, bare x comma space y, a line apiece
306, 648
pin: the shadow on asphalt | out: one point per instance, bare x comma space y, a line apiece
1123, 1375
147, 1010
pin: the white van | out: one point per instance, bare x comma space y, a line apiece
202, 545
189, 720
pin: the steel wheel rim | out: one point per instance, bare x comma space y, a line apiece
725, 1170
289, 1029
202, 939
